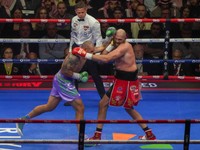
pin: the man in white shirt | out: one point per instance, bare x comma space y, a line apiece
86, 28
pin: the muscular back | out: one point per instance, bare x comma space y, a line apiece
72, 64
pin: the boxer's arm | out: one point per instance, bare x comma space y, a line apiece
103, 49
69, 67
99, 49
118, 52
69, 64
107, 45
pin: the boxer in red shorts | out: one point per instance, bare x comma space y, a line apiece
122, 54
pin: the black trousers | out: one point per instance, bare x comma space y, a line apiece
92, 68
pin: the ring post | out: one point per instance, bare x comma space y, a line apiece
81, 135
187, 135
166, 49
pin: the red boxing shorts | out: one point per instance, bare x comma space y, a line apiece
125, 91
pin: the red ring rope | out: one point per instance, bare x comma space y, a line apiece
174, 20
103, 77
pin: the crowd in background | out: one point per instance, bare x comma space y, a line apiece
118, 9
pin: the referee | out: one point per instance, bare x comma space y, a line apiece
84, 27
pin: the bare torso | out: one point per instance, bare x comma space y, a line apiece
127, 60
72, 64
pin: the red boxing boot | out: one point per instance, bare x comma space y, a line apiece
97, 136
148, 135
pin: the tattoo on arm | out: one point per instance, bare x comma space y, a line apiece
73, 62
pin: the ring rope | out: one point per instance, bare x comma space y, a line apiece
35, 40
173, 20
49, 61
98, 121
105, 77
55, 141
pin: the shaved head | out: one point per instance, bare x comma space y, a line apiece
120, 37
121, 33
88, 46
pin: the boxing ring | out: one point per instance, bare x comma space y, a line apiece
172, 112
176, 110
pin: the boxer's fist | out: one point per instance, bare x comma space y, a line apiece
84, 76
110, 31
81, 52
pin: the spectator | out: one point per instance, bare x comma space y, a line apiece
150, 4
11, 29
190, 49
194, 8
166, 13
107, 10
173, 27
17, 14
9, 68
155, 50
180, 69
3, 14
90, 8
9, 5
50, 5
139, 55
97, 4
141, 13
28, 7
34, 68
42, 13
72, 3
128, 9
179, 3
118, 13
52, 50
164, 4
197, 70
185, 13
63, 13
133, 7
22, 49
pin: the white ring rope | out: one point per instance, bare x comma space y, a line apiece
35, 40
56, 141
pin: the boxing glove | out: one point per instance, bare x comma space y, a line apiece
81, 52
83, 76
110, 31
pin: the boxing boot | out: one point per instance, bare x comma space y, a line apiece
148, 135
97, 136
20, 126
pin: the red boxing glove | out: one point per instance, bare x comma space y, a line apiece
81, 52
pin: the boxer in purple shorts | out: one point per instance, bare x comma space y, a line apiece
63, 88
